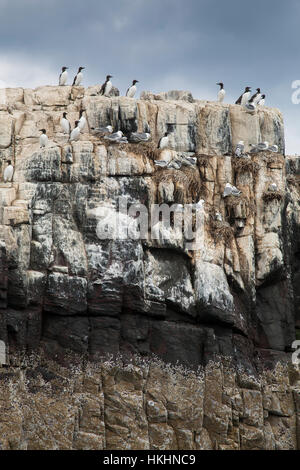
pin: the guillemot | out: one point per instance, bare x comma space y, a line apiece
8, 172
65, 124
256, 97
164, 141
82, 120
262, 100
132, 90
43, 138
78, 77
63, 76
75, 134
221, 92
106, 87
244, 98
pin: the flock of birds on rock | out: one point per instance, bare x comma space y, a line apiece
249, 102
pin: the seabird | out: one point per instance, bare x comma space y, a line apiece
244, 98
139, 137
254, 148
132, 90
115, 137
161, 163
75, 134
273, 148
221, 93
218, 217
164, 141
174, 164
188, 161
262, 100
239, 149
250, 106
273, 187
199, 204
231, 190
65, 124
100, 131
256, 97
8, 172
263, 146
78, 78
107, 86
122, 140
82, 120
43, 138
63, 76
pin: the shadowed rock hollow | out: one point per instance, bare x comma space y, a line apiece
64, 288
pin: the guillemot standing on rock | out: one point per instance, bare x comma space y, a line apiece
132, 90
82, 120
78, 78
262, 100
65, 124
256, 97
63, 76
75, 134
107, 86
221, 93
244, 98
164, 141
43, 138
8, 172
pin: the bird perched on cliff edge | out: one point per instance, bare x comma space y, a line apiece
244, 98
261, 102
63, 76
132, 90
43, 138
65, 124
8, 172
164, 141
75, 134
106, 87
137, 137
101, 131
82, 120
239, 149
221, 92
78, 77
115, 137
256, 97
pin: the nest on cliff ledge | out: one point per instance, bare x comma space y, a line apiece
187, 183
269, 196
243, 165
202, 159
220, 231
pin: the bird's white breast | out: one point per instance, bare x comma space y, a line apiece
79, 78
8, 173
221, 95
43, 140
108, 88
131, 91
63, 78
75, 134
82, 123
164, 142
246, 97
65, 125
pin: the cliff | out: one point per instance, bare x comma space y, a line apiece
63, 288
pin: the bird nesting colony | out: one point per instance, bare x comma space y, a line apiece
231, 202
269, 196
220, 230
146, 149
245, 165
187, 183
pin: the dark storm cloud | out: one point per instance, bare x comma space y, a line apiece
164, 43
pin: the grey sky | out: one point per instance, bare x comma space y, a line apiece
165, 44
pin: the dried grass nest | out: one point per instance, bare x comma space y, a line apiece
243, 165
220, 231
269, 196
186, 177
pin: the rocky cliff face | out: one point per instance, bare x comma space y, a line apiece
62, 287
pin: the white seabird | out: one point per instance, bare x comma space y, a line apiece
273, 148
161, 163
75, 134
174, 164
231, 190
262, 146
101, 130
221, 92
43, 138
65, 124
262, 100
132, 90
78, 77
188, 161
239, 149
273, 187
250, 106
82, 120
244, 98
164, 141
139, 137
199, 204
106, 87
63, 76
115, 137
8, 172
218, 217
256, 97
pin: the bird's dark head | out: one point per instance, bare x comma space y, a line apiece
64, 69
76, 123
263, 96
221, 84
64, 115
258, 90
81, 68
167, 133
43, 131
9, 162
248, 88
108, 77
134, 82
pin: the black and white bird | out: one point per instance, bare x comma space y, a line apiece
231, 190
175, 164
218, 217
164, 141
137, 137
161, 163
63, 76
221, 93
250, 107
132, 90
273, 148
75, 134
65, 124
8, 172
239, 149
199, 204
106, 87
273, 187
115, 137
43, 138
78, 77
82, 120
244, 98
261, 102
256, 97
188, 161
101, 131
262, 146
